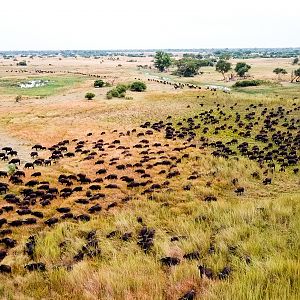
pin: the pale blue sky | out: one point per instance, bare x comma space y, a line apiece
136, 24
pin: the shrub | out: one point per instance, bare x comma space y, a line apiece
279, 71
22, 63
297, 72
11, 169
89, 96
118, 92
99, 83
121, 88
138, 86
115, 93
18, 98
246, 83
296, 75
109, 95
295, 61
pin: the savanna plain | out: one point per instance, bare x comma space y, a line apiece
168, 193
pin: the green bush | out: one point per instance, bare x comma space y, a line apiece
22, 63
99, 83
109, 95
121, 88
11, 169
138, 86
115, 93
118, 92
246, 83
89, 96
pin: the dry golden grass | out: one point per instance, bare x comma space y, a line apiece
262, 224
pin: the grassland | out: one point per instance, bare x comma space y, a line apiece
256, 234
282, 91
56, 84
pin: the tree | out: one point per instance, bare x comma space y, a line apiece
89, 96
138, 86
192, 55
279, 71
242, 68
225, 56
187, 67
295, 61
99, 83
223, 67
296, 75
162, 60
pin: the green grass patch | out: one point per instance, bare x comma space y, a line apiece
288, 91
245, 83
56, 84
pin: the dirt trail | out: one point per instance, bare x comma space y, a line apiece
23, 148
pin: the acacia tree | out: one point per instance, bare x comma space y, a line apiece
242, 68
279, 71
162, 60
295, 61
187, 67
296, 75
223, 67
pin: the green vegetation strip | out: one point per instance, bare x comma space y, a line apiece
56, 84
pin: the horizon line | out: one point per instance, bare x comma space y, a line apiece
155, 49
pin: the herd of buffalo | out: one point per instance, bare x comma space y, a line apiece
134, 162
40, 71
176, 85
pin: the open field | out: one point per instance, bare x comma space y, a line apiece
55, 84
211, 180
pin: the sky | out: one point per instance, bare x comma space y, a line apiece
155, 24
